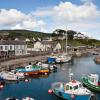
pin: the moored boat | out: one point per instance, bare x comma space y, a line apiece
28, 70
51, 67
72, 90
32, 70
91, 82
63, 59
10, 76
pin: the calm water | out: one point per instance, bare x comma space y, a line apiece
38, 87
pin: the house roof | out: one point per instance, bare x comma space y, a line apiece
12, 42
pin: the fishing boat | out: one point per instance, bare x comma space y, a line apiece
10, 76
51, 67
32, 70
72, 90
91, 82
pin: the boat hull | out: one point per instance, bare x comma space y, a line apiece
71, 96
92, 87
34, 72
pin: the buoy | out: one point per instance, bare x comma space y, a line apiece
50, 91
45, 73
72, 96
1, 86
26, 80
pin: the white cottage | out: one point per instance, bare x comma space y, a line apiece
37, 46
57, 47
46, 46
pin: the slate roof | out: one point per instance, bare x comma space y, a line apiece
12, 42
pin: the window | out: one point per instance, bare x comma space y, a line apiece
1, 47
70, 87
20, 51
10, 47
6, 47
75, 87
80, 85
67, 87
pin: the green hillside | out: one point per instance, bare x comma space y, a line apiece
22, 33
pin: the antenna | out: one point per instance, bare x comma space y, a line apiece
70, 75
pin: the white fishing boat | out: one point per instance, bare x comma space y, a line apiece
47, 66
10, 76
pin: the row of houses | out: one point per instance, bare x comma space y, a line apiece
12, 48
9, 48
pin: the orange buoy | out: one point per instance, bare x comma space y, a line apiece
50, 91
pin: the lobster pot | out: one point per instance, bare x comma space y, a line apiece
94, 79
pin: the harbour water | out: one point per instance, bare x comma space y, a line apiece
38, 87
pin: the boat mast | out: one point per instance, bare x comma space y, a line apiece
66, 41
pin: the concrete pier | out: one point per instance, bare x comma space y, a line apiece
12, 64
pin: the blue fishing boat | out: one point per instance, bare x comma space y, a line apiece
73, 90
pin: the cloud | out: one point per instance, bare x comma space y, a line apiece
15, 19
84, 17
70, 12
11, 16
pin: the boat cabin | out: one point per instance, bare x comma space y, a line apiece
93, 79
28, 67
73, 85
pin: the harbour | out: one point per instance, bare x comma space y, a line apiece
38, 87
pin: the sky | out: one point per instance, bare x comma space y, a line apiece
47, 15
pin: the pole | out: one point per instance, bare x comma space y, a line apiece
66, 42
